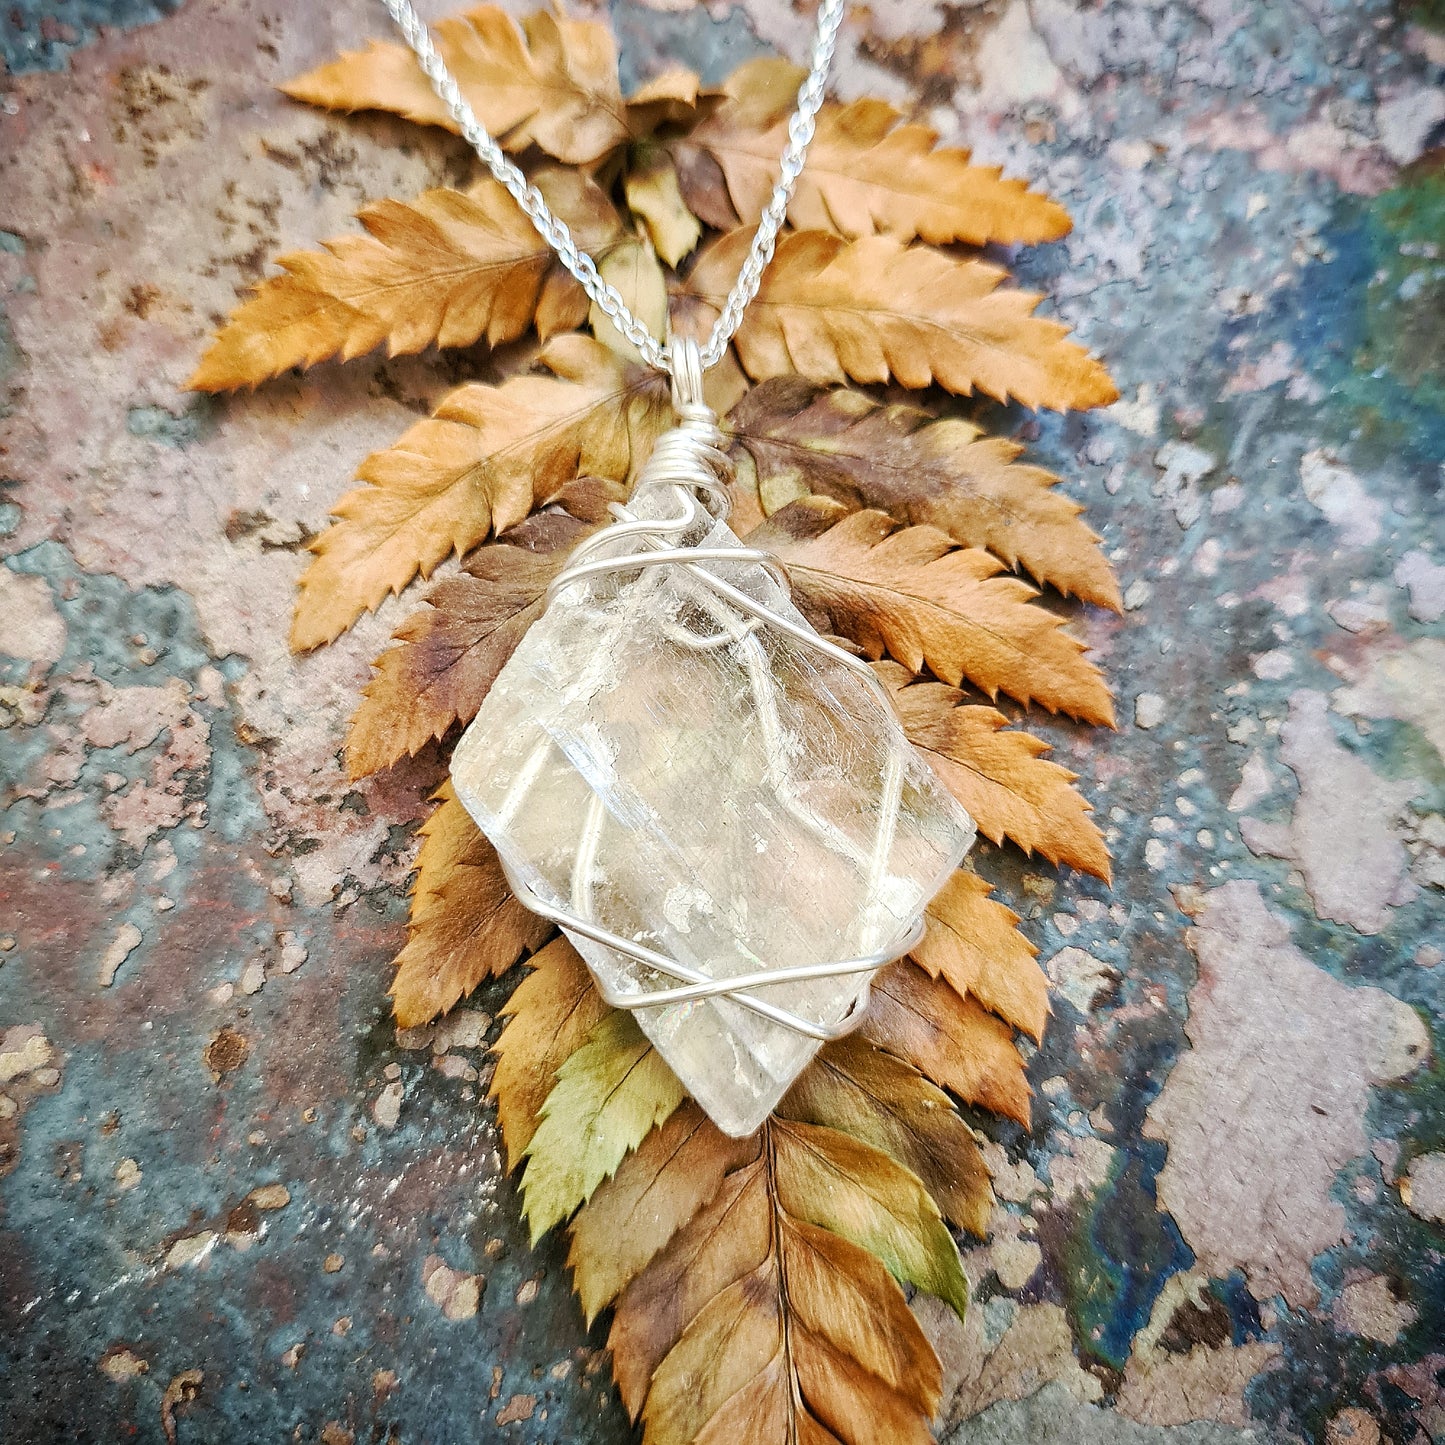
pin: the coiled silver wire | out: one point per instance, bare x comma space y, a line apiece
690, 462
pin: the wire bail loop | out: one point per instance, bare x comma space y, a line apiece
684, 366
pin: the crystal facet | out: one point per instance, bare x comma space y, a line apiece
653, 760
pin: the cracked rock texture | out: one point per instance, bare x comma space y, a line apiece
236, 1204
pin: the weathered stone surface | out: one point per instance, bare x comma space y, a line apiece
1257, 269
1054, 1417
1269, 1104
1343, 832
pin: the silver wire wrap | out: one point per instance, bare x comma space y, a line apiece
690, 461
555, 232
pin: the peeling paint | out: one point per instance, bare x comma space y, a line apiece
1270, 1101
1342, 832
1265, 281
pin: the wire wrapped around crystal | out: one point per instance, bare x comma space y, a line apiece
716, 803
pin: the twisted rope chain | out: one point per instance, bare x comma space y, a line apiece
554, 231
690, 461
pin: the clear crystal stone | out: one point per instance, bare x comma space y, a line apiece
653, 761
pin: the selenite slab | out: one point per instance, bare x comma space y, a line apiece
719, 804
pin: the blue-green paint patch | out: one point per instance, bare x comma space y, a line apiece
1430, 13
169, 428
650, 41
1117, 1256
103, 617
1365, 319
1406, 294
42, 34
1243, 1309
1400, 750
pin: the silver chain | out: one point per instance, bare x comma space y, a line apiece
554, 231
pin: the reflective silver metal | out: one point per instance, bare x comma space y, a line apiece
554, 231
700, 986
690, 459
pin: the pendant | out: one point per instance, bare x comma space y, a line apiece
718, 805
